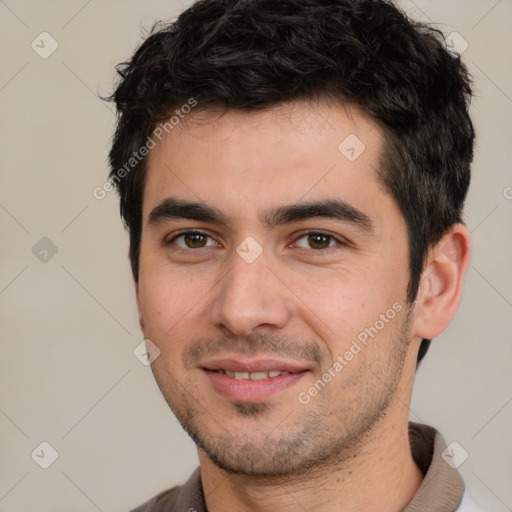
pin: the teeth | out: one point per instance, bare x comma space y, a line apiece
252, 375
258, 375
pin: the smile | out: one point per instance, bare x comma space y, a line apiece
251, 380
252, 375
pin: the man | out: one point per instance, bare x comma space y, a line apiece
292, 175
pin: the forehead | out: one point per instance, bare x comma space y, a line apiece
240, 161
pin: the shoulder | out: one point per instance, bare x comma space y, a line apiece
164, 501
182, 498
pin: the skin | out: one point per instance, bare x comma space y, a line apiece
302, 300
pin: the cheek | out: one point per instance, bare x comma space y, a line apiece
342, 304
158, 294
170, 300
164, 303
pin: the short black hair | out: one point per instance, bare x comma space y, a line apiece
254, 54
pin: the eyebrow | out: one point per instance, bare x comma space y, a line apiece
338, 209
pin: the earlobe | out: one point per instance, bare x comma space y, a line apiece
442, 281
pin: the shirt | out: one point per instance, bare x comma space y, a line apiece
442, 489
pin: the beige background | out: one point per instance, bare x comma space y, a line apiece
68, 375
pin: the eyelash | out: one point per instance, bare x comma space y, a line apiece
317, 252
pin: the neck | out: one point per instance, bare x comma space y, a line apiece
381, 476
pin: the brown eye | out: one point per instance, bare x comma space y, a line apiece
317, 241
192, 240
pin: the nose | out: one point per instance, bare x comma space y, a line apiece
250, 297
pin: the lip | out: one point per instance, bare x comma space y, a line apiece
247, 390
251, 390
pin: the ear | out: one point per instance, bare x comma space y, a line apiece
139, 309
440, 288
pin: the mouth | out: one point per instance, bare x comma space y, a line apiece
271, 374
252, 380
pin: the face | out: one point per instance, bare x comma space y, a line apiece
273, 278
